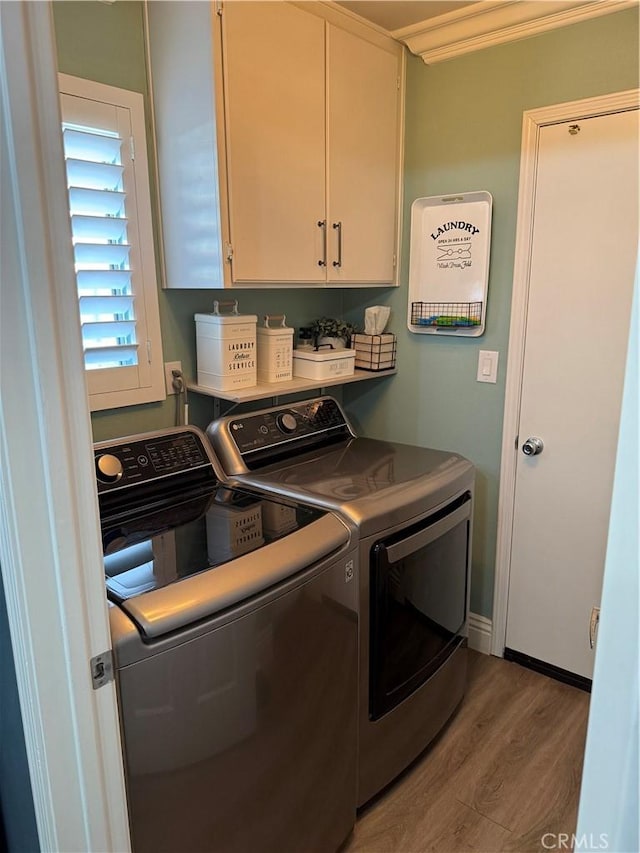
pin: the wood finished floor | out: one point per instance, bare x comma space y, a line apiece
505, 771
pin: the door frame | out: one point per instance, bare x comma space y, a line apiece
50, 545
532, 123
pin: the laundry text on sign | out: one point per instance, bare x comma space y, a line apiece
449, 226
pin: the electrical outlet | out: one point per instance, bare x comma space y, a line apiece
168, 376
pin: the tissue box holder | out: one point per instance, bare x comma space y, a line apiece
374, 352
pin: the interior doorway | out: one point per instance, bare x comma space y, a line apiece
575, 263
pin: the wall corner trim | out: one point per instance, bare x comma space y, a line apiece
480, 633
495, 22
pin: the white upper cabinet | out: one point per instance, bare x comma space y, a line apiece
363, 99
279, 133
274, 96
191, 184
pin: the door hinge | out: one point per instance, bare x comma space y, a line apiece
395, 260
148, 352
102, 669
398, 83
132, 148
219, 7
228, 252
517, 437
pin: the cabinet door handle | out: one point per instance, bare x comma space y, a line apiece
338, 227
322, 223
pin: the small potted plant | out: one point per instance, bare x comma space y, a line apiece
335, 333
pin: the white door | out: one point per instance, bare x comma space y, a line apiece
584, 246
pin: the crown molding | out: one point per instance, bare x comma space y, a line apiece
491, 22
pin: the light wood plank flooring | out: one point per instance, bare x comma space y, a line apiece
505, 771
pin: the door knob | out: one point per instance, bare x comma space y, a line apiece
533, 446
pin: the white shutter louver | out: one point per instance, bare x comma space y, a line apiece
97, 205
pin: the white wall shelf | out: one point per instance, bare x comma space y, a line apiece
264, 390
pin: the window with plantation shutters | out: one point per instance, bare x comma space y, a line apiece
107, 178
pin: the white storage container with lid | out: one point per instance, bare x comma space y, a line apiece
275, 348
226, 348
323, 363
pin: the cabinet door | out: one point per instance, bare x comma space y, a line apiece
363, 158
275, 135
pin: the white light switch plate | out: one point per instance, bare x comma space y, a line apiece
487, 366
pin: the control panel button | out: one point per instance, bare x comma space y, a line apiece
286, 422
108, 468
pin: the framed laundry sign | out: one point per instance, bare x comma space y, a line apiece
449, 264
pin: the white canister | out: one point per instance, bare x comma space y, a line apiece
275, 350
226, 349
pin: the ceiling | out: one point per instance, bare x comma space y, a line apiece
394, 15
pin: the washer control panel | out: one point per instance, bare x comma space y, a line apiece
306, 423
144, 459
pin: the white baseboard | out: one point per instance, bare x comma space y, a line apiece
480, 629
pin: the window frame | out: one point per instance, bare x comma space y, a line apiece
102, 384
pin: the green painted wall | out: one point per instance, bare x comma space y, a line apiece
463, 126
463, 130
105, 42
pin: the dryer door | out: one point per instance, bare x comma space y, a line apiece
418, 603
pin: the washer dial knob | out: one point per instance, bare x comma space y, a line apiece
287, 423
108, 468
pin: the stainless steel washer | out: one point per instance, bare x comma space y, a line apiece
234, 626
412, 508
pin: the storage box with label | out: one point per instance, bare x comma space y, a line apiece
226, 348
375, 352
275, 349
233, 530
323, 363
